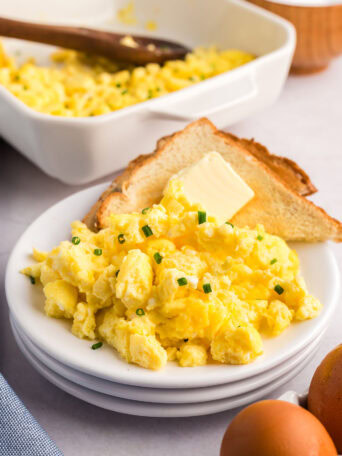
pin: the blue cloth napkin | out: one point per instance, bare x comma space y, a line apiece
20, 434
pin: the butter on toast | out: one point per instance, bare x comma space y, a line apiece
279, 184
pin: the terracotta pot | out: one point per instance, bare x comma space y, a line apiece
319, 33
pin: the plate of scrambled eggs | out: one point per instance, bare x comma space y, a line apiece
228, 302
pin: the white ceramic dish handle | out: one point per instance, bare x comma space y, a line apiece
212, 101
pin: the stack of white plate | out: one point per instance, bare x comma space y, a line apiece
100, 377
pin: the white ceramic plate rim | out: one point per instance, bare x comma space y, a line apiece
53, 225
167, 396
130, 407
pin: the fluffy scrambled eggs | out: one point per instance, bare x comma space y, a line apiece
81, 86
170, 283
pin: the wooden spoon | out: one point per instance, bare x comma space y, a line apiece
133, 49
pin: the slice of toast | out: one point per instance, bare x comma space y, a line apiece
279, 184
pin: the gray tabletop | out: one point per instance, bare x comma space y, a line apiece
305, 125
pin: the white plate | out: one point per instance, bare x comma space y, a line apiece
79, 150
167, 396
53, 336
152, 409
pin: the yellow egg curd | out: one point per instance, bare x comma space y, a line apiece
79, 85
171, 283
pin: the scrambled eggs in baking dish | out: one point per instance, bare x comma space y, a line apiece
171, 283
78, 85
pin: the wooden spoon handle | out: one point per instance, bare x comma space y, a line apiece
79, 38
94, 41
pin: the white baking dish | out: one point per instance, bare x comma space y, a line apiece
79, 150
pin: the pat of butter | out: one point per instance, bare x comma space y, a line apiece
214, 184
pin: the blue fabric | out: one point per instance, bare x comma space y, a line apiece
20, 434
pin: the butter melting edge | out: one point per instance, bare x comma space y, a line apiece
213, 183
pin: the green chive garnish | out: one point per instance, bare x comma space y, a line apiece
230, 224
207, 288
278, 289
32, 280
75, 240
118, 84
273, 261
117, 273
186, 340
96, 346
98, 252
202, 217
145, 210
140, 312
124, 92
157, 257
259, 237
121, 238
147, 231
182, 281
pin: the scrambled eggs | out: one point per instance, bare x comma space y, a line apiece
171, 283
81, 86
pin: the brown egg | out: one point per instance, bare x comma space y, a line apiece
325, 395
276, 428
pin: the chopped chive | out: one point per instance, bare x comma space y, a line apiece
182, 281
32, 280
273, 261
117, 273
158, 258
118, 84
259, 237
145, 210
98, 252
124, 92
207, 288
202, 217
147, 230
140, 312
150, 94
96, 346
75, 240
279, 289
230, 224
186, 340
121, 238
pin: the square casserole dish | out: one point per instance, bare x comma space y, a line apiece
80, 150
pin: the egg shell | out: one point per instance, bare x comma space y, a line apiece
325, 395
276, 428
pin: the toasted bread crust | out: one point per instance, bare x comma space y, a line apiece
285, 168
121, 198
